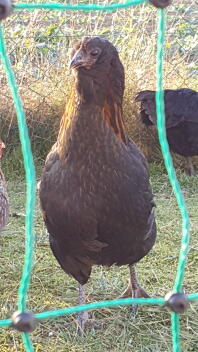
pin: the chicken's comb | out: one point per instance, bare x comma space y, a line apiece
2, 144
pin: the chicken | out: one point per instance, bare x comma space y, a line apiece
4, 208
181, 109
94, 192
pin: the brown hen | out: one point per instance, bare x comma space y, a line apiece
95, 194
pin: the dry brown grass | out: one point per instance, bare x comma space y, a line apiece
39, 49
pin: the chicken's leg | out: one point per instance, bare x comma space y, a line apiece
134, 289
190, 167
82, 316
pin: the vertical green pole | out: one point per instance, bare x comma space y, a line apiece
31, 186
175, 323
172, 175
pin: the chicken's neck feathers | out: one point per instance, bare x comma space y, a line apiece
91, 110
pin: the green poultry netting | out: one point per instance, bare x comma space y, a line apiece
176, 298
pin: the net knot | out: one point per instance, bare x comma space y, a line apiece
177, 302
24, 321
5, 8
160, 4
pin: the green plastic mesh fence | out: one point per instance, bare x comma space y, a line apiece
177, 300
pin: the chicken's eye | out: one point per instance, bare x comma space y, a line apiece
94, 53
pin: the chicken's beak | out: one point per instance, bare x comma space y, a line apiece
77, 60
80, 60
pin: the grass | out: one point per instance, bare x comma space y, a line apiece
52, 289
38, 46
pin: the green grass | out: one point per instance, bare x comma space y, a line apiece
52, 289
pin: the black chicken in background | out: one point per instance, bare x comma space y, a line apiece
95, 194
181, 110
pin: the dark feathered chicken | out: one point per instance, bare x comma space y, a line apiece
4, 208
94, 191
181, 109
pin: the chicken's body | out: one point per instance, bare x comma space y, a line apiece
4, 207
94, 191
181, 109
97, 203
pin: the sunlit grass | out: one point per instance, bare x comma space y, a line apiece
51, 288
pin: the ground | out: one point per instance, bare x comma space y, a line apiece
52, 289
